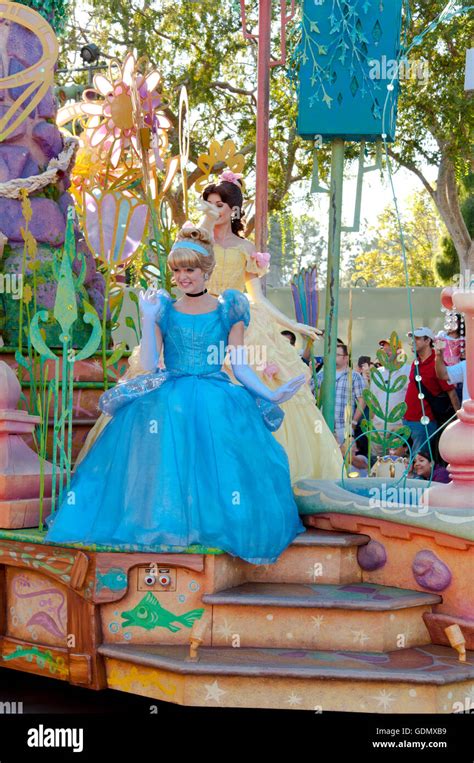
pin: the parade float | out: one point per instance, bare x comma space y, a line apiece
371, 609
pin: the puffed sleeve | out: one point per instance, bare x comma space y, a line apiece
257, 263
234, 307
164, 305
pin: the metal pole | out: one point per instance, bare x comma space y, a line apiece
263, 115
332, 283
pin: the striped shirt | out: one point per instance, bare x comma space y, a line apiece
342, 394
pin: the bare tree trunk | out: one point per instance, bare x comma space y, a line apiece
446, 198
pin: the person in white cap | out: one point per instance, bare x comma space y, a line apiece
420, 417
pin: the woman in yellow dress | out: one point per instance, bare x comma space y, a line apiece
311, 448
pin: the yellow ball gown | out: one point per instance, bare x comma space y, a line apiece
311, 448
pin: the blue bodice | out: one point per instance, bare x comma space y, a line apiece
195, 344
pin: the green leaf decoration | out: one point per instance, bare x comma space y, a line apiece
130, 322
373, 403
36, 338
396, 413
21, 360
65, 307
378, 438
133, 297
398, 384
394, 343
377, 377
394, 440
82, 275
90, 316
114, 315
116, 355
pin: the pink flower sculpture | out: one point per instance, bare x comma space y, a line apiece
114, 225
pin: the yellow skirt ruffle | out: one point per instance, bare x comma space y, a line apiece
312, 450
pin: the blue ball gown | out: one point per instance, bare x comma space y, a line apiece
188, 456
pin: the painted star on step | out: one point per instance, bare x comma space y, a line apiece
224, 630
213, 692
293, 700
317, 621
383, 699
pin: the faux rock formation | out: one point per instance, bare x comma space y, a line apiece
26, 152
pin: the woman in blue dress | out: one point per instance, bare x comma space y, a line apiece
187, 457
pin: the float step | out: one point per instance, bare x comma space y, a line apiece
316, 556
355, 616
427, 679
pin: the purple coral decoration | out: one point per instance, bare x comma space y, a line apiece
430, 571
372, 556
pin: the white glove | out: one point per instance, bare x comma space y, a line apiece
149, 306
246, 376
210, 217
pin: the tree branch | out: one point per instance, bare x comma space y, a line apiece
413, 168
232, 89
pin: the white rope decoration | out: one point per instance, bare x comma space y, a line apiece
11, 189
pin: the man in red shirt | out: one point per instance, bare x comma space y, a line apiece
419, 416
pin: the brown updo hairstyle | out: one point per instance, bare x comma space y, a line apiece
230, 194
189, 258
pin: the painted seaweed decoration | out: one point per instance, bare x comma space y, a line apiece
392, 362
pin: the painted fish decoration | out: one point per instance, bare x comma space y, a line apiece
150, 614
114, 579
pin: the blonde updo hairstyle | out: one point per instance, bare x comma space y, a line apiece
189, 258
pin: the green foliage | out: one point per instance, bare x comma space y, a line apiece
201, 45
54, 11
382, 265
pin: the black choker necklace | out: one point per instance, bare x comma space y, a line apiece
199, 294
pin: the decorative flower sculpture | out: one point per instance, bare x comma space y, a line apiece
112, 104
227, 153
86, 167
114, 225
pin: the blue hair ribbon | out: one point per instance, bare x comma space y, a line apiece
189, 245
